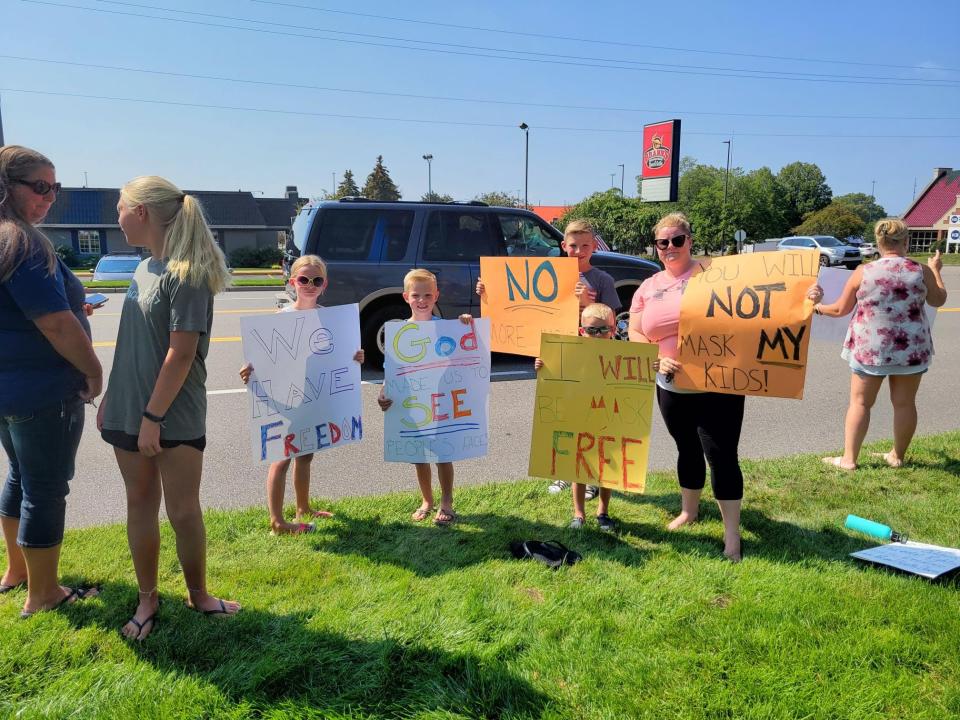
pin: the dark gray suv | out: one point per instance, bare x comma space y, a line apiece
369, 246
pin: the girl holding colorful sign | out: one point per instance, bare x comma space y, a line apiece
154, 412
308, 275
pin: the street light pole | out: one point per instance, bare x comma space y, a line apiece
726, 182
612, 176
428, 157
526, 164
621, 179
873, 187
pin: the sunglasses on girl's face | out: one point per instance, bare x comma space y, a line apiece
596, 330
304, 280
40, 187
676, 240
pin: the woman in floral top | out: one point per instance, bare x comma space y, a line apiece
889, 336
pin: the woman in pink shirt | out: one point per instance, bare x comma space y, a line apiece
705, 425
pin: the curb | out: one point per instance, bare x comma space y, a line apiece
254, 288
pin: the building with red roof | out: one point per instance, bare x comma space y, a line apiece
550, 213
929, 214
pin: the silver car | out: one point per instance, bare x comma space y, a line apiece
832, 251
116, 267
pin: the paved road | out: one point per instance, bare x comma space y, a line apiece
772, 427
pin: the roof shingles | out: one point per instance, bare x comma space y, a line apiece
939, 199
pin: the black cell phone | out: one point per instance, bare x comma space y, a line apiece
96, 300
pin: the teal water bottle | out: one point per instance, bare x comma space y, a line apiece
873, 529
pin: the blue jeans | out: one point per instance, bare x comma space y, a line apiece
41, 448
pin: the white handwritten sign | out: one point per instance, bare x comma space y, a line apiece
929, 561
438, 375
305, 387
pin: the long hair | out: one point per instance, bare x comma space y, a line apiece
193, 256
18, 238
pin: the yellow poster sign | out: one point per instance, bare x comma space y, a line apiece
593, 410
745, 324
527, 296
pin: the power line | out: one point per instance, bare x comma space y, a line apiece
734, 73
559, 106
553, 37
464, 123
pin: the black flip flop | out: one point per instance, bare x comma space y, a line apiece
75, 595
140, 625
7, 588
222, 610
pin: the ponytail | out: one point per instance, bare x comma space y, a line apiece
193, 255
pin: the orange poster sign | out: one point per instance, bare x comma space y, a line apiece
527, 296
745, 324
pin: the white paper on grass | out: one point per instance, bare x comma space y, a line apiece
305, 387
438, 375
929, 561
832, 329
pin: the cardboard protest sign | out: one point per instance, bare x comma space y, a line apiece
593, 411
833, 280
438, 375
527, 296
745, 324
305, 386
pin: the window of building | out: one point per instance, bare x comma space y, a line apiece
88, 242
922, 240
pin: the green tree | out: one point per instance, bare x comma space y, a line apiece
624, 223
347, 187
435, 197
836, 219
379, 186
863, 205
803, 189
500, 199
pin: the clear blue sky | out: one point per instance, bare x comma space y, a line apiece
204, 148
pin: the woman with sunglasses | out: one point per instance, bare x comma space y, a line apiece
48, 369
154, 411
308, 275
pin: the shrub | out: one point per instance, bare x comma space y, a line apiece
264, 257
68, 255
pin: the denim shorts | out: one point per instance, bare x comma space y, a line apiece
41, 449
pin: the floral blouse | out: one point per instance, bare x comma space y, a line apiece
889, 325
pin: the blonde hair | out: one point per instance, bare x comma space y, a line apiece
674, 219
575, 227
598, 311
418, 275
193, 255
890, 232
18, 238
309, 261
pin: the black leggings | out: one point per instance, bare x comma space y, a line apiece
705, 424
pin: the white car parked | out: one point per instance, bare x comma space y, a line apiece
832, 251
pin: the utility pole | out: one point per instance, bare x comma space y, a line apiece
612, 176
873, 186
1, 127
914, 187
726, 182
84, 178
333, 180
621, 179
526, 165
429, 158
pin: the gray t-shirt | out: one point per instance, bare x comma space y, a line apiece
602, 283
157, 304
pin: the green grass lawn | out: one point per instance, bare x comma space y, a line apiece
948, 258
375, 617
257, 282
106, 283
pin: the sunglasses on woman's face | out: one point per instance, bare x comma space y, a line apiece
40, 187
304, 280
596, 329
676, 240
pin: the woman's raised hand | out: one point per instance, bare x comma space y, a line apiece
934, 261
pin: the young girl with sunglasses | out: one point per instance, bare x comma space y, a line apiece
308, 275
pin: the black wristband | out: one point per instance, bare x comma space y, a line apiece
153, 418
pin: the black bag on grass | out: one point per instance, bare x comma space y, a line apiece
551, 553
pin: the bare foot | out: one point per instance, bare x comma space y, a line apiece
422, 513
684, 518
838, 462
143, 621
292, 528
311, 514
890, 458
11, 580
64, 596
731, 549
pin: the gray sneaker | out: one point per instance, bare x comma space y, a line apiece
557, 486
576, 523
